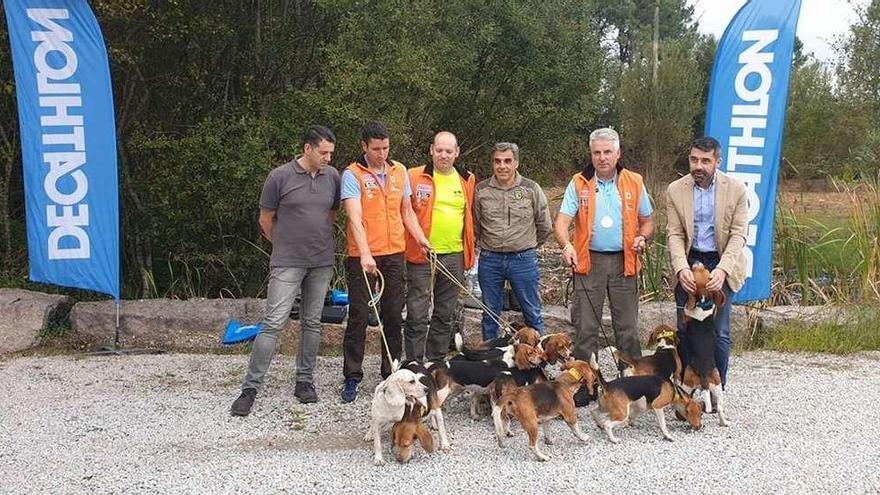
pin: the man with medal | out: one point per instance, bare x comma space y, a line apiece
612, 225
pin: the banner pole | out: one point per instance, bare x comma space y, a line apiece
116, 333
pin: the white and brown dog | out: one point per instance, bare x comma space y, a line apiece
620, 399
390, 399
700, 371
535, 405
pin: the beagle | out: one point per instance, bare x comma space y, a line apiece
436, 394
409, 430
458, 375
665, 361
499, 347
536, 404
617, 398
699, 314
391, 397
557, 350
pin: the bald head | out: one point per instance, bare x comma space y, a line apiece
444, 152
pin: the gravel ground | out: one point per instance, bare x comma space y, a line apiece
800, 423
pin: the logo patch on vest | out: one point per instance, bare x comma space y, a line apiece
423, 191
371, 185
518, 194
585, 198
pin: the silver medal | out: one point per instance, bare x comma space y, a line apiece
607, 222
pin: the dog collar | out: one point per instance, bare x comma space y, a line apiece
575, 374
668, 334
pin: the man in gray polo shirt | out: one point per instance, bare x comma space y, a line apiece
297, 210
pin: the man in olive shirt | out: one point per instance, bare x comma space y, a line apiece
296, 214
511, 219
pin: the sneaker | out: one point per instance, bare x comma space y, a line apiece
305, 392
243, 404
350, 390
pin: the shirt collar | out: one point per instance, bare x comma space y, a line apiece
300, 170
494, 182
711, 184
612, 180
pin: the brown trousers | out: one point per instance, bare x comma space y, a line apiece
606, 279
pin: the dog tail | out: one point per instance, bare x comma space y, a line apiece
622, 356
459, 341
595, 365
501, 415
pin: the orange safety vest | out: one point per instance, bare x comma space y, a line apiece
629, 185
421, 180
380, 209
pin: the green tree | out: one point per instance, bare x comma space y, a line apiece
657, 122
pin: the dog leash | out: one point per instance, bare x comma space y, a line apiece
373, 303
440, 267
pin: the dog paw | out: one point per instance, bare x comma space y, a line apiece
509, 434
614, 439
378, 461
542, 458
446, 448
669, 438
548, 441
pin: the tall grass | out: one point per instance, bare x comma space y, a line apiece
818, 262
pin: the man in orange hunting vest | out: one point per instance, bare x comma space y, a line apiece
443, 194
375, 194
612, 215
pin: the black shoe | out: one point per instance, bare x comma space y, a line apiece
583, 397
243, 404
305, 392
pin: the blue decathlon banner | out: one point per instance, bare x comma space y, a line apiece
68, 143
746, 113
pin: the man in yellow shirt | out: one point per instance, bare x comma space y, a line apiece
442, 196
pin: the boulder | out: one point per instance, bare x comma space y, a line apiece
191, 325
25, 314
776, 316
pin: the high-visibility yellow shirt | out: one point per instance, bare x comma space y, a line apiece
447, 222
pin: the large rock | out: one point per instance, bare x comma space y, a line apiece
24, 314
198, 324
776, 316
191, 325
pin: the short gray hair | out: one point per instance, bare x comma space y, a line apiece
512, 147
606, 134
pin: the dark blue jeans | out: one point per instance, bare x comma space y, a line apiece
521, 269
722, 317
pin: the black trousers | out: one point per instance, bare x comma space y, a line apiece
393, 268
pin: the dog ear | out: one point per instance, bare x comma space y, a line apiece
425, 438
720, 299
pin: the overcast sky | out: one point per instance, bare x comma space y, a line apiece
821, 21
